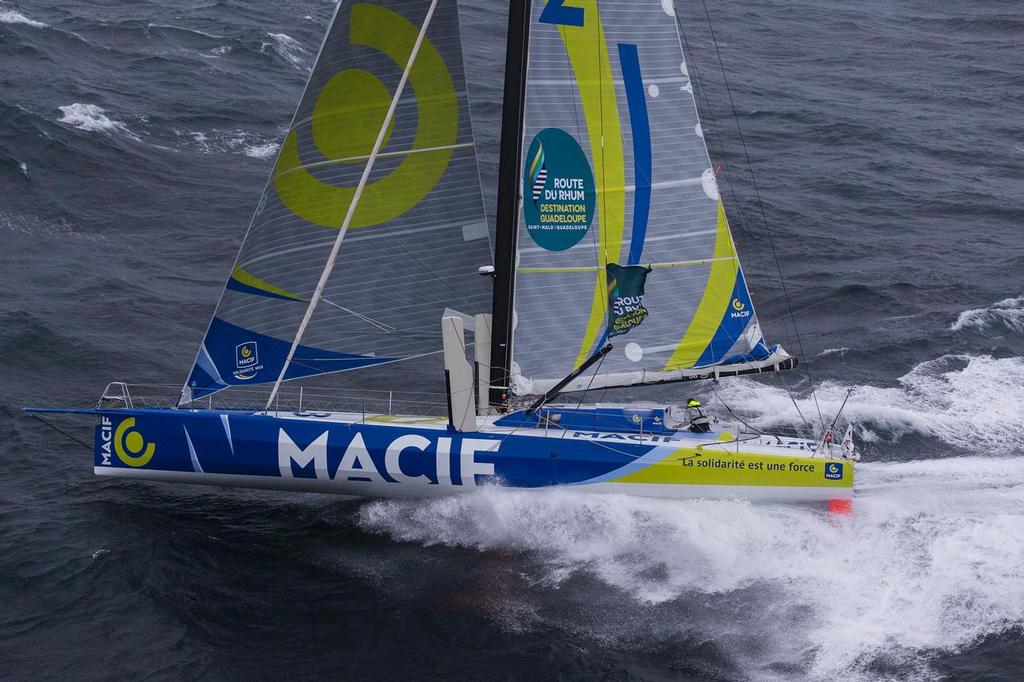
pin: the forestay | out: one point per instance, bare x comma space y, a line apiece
616, 174
418, 234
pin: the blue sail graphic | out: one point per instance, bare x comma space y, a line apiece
234, 356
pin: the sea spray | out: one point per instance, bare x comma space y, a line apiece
971, 402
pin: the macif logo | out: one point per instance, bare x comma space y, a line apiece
247, 361
739, 309
245, 355
130, 446
834, 471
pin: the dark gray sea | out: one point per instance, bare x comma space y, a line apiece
886, 139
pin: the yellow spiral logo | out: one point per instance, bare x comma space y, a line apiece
246, 352
737, 304
130, 446
346, 121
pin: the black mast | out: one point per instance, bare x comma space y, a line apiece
508, 197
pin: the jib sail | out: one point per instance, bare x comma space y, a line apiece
418, 233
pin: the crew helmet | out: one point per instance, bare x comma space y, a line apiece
692, 403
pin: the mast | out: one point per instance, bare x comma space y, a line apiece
516, 53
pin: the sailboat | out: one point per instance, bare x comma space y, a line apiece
370, 258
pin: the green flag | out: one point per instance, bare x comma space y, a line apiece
625, 297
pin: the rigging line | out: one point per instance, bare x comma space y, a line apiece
714, 140
383, 155
764, 215
736, 416
714, 137
597, 370
386, 328
789, 392
260, 205
63, 432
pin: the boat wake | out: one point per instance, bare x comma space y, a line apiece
931, 562
970, 403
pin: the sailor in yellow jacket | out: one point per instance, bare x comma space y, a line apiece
698, 420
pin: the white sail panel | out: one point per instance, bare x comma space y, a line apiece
611, 78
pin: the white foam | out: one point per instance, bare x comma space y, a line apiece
221, 141
9, 16
262, 151
932, 559
1008, 313
93, 119
289, 48
23, 167
970, 402
834, 351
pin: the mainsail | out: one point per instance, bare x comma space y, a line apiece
616, 184
418, 234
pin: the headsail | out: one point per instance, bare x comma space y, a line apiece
615, 173
418, 234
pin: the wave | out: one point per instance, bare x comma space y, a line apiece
10, 16
93, 119
171, 28
931, 561
972, 402
1008, 313
289, 48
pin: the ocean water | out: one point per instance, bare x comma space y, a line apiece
887, 147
